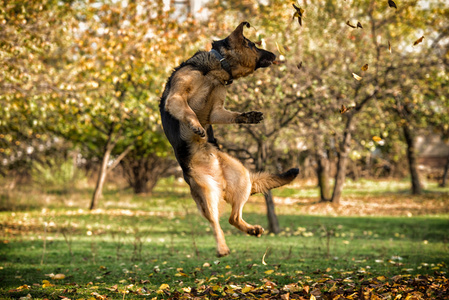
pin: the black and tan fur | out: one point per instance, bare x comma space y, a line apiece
193, 99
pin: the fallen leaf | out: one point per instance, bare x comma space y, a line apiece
350, 25
285, 296
164, 286
268, 272
365, 67
359, 25
59, 276
247, 289
418, 41
46, 283
312, 297
357, 77
377, 138
392, 4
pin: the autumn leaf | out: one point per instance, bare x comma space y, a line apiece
418, 41
59, 276
357, 77
344, 109
46, 283
350, 25
392, 4
280, 49
268, 272
247, 289
377, 139
164, 286
263, 257
364, 67
298, 14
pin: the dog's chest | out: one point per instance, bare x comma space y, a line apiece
204, 100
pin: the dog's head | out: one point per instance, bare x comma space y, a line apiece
242, 54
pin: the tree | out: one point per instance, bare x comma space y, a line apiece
118, 75
34, 39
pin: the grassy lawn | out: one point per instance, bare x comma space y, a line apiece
380, 241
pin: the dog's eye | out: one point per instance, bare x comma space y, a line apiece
249, 44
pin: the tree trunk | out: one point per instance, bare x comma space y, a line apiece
102, 176
104, 170
273, 223
412, 163
342, 162
445, 173
322, 169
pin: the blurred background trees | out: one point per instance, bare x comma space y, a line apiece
80, 84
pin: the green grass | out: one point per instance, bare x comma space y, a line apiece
134, 244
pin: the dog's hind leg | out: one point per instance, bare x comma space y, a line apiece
207, 195
238, 190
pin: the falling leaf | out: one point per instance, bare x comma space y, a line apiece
365, 67
299, 66
344, 109
392, 4
376, 138
281, 51
263, 257
350, 25
389, 46
359, 25
298, 14
418, 41
357, 77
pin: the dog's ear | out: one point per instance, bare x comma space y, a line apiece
237, 34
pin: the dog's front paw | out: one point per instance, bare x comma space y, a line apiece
252, 117
256, 231
199, 131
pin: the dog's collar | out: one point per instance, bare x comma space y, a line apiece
224, 64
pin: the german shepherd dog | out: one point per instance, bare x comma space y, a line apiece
193, 99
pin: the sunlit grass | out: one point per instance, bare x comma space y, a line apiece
378, 229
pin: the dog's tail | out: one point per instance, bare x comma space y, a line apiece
263, 182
